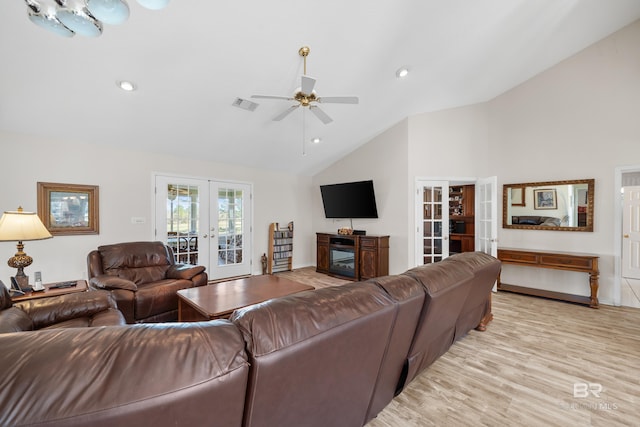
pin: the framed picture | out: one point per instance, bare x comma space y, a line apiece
545, 199
517, 196
68, 209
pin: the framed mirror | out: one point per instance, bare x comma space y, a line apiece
553, 205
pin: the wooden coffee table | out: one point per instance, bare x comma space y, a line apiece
219, 300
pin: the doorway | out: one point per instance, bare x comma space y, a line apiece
626, 237
206, 223
455, 215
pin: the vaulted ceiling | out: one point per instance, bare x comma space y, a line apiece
193, 59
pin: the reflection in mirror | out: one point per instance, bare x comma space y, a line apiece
554, 205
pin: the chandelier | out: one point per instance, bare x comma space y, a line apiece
84, 17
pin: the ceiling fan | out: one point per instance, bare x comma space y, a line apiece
307, 97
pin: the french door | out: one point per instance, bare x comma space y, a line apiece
486, 212
432, 219
432, 228
230, 229
206, 223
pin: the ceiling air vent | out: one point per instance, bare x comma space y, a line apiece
244, 104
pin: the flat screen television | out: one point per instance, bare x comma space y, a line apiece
349, 200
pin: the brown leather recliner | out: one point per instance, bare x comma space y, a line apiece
144, 278
82, 309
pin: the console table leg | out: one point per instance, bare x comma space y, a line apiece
593, 283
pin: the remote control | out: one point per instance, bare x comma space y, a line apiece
63, 285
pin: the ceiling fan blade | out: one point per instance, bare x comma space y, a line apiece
307, 85
286, 98
285, 113
324, 118
339, 99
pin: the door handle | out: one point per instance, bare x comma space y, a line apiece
205, 236
626, 236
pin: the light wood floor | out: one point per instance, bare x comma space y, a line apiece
522, 370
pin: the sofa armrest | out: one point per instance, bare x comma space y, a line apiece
112, 282
48, 311
184, 271
14, 320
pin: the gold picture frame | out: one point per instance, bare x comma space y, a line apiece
545, 199
68, 209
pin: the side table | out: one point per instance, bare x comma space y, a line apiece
80, 286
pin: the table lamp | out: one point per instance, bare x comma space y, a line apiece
20, 226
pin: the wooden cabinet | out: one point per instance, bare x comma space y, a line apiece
280, 248
322, 253
374, 256
461, 218
352, 257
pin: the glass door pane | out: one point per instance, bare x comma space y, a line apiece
183, 222
230, 226
433, 215
182, 218
230, 256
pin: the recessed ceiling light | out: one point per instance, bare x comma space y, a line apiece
126, 85
316, 140
402, 72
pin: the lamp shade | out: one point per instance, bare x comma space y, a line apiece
21, 226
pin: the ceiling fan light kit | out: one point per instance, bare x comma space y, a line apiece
84, 17
111, 12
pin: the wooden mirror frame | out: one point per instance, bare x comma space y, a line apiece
550, 185
90, 192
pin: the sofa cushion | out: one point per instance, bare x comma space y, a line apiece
409, 296
134, 375
140, 262
315, 355
446, 291
45, 312
477, 304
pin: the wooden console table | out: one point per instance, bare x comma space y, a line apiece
583, 263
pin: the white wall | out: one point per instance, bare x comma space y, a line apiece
577, 120
125, 190
449, 145
383, 160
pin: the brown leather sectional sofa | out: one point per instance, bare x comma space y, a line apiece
330, 357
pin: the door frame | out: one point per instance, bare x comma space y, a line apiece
154, 225
617, 230
452, 180
418, 251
